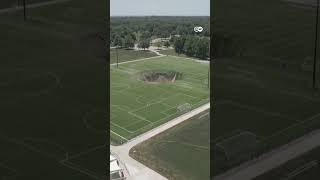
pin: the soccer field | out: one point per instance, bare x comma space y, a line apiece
275, 105
167, 152
52, 81
138, 106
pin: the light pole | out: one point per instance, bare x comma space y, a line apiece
209, 65
117, 57
315, 50
24, 10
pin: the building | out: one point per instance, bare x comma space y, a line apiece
116, 172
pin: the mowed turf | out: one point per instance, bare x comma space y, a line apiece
53, 84
267, 88
275, 104
171, 52
269, 28
129, 55
181, 152
138, 106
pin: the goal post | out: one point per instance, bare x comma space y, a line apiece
184, 107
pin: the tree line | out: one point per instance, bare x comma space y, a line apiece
195, 46
129, 41
156, 26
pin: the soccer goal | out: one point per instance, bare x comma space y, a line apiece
239, 148
184, 107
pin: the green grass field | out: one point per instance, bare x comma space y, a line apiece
138, 106
128, 55
274, 104
172, 52
267, 90
269, 28
53, 90
182, 152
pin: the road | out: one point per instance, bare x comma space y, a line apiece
34, 5
137, 170
273, 159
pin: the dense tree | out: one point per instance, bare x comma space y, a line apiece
144, 43
128, 42
179, 44
180, 29
118, 41
202, 48
190, 46
158, 26
145, 35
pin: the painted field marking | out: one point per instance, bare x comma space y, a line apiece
120, 127
292, 125
118, 135
136, 122
167, 118
84, 152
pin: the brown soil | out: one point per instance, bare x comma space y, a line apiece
160, 76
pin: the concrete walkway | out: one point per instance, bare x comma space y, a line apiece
273, 159
137, 170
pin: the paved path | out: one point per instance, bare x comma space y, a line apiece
273, 159
126, 62
137, 170
34, 5
152, 50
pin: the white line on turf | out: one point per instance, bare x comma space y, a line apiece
119, 135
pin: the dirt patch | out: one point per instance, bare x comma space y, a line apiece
160, 76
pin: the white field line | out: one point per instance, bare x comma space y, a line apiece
134, 123
84, 152
167, 125
115, 124
167, 115
119, 135
273, 159
137, 169
84, 171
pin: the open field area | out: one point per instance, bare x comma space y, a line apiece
274, 105
304, 167
181, 152
263, 75
171, 52
138, 105
52, 81
275, 29
129, 55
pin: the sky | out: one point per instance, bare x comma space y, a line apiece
160, 7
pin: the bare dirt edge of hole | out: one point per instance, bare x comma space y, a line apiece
160, 76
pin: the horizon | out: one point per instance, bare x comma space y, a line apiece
159, 16
160, 8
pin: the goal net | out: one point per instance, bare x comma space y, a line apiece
184, 107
